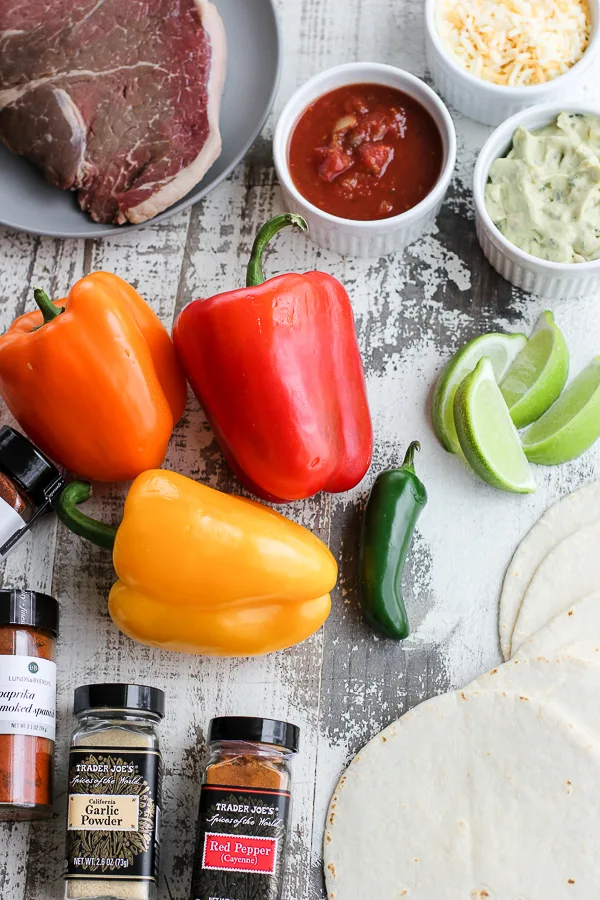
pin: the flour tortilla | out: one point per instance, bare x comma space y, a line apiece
579, 510
570, 686
473, 795
569, 573
574, 632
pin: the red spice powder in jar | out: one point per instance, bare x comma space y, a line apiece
28, 630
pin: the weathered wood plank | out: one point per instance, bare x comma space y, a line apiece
295, 674
26, 262
412, 314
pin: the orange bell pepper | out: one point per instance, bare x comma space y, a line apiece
204, 572
94, 380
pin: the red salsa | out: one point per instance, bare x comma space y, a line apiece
365, 151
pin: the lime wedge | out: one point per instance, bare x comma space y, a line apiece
571, 426
501, 349
487, 435
538, 374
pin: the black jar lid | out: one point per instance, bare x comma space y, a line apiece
29, 609
262, 731
119, 696
28, 467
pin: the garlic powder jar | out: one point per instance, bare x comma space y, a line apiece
115, 781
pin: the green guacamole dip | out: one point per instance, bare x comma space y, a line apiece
545, 195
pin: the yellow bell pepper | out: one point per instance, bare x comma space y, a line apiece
205, 572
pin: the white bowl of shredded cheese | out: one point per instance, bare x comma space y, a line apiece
492, 58
545, 210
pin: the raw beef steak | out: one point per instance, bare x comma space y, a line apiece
116, 99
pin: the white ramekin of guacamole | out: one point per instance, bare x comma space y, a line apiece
537, 200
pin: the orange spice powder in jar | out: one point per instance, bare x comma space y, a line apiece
28, 631
245, 809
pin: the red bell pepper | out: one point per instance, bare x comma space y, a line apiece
277, 368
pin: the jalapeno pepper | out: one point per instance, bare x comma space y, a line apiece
394, 506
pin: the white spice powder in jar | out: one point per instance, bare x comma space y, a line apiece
115, 780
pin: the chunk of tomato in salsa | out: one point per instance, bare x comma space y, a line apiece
375, 158
365, 151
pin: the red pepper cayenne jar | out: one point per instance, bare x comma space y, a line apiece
28, 631
245, 809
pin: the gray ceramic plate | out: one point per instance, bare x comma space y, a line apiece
28, 203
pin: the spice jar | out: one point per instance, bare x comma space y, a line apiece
28, 630
28, 484
245, 808
115, 781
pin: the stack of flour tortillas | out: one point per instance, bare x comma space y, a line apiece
557, 566
493, 792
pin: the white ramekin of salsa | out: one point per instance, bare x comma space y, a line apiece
493, 58
365, 152
536, 200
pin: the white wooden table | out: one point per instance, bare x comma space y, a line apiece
344, 684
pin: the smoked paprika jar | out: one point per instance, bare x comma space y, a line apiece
245, 809
28, 631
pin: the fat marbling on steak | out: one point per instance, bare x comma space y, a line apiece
116, 99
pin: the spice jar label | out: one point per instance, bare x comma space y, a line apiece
104, 812
241, 841
114, 814
28, 696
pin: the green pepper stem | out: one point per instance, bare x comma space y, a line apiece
67, 510
409, 459
49, 310
255, 274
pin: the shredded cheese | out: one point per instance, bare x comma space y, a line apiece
515, 42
